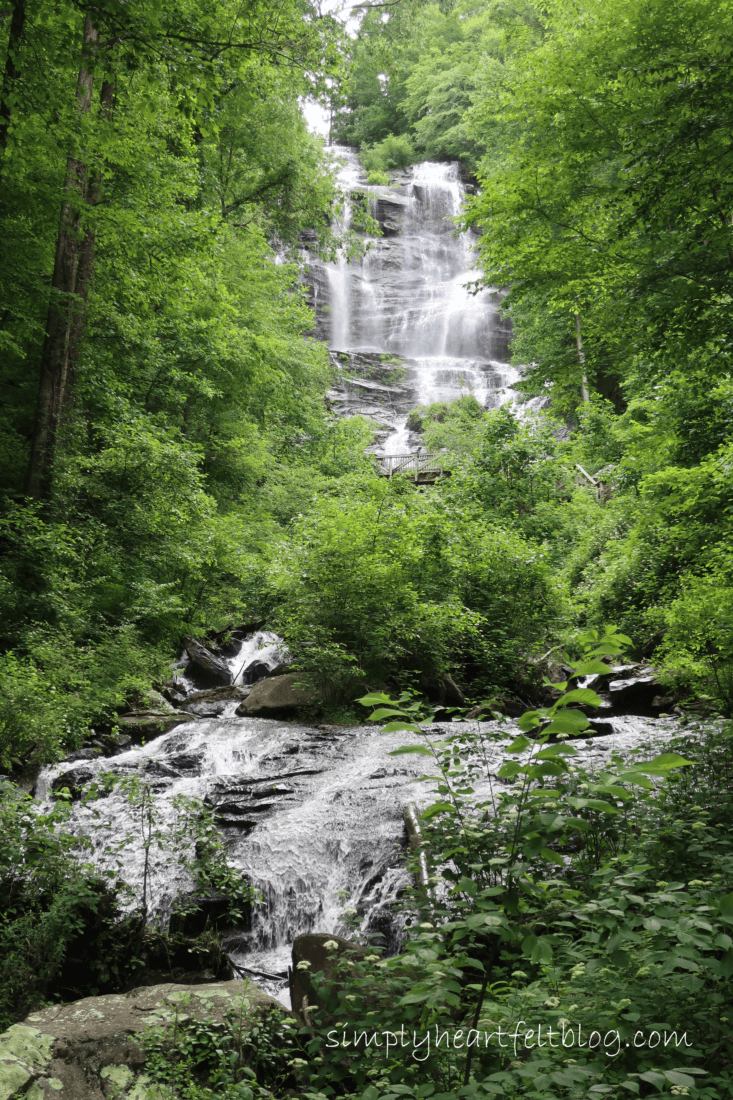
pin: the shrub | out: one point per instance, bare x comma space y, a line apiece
394, 151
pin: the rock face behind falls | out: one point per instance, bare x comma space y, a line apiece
402, 325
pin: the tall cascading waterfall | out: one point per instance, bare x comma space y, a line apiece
408, 302
313, 815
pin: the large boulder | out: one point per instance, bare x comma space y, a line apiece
276, 697
144, 725
212, 703
205, 668
317, 953
636, 694
92, 1049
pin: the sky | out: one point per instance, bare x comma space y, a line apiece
315, 115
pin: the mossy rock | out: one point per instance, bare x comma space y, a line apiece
92, 1050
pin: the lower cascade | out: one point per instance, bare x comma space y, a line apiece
312, 814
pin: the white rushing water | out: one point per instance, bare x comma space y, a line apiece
313, 815
411, 295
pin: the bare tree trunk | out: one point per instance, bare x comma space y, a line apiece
17, 26
55, 355
585, 394
85, 268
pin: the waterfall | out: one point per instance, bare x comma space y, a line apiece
313, 816
410, 299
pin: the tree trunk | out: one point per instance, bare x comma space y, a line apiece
55, 355
17, 26
585, 394
85, 269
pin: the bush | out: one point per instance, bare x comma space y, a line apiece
383, 582
392, 152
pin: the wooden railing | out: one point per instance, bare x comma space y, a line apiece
421, 467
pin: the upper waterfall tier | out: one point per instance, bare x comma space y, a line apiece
410, 294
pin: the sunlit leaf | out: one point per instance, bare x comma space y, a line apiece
580, 695
407, 750
386, 712
588, 668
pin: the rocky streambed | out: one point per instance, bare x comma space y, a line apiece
312, 814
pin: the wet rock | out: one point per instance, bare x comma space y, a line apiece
601, 728
92, 1050
212, 704
74, 780
216, 695
144, 725
198, 913
274, 665
634, 695
83, 754
311, 955
174, 691
206, 669
276, 697
229, 642
206, 710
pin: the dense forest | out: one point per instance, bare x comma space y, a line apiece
170, 467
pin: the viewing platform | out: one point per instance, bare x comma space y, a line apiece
422, 469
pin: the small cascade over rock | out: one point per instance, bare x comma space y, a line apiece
403, 325
312, 814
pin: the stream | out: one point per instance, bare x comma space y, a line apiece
313, 815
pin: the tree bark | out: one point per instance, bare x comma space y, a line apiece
585, 394
17, 26
85, 269
55, 355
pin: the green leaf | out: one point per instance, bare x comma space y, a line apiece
675, 1077
580, 695
386, 712
592, 804
652, 1078
407, 750
529, 721
392, 727
552, 857
374, 699
725, 905
588, 668
562, 725
436, 808
519, 744
660, 765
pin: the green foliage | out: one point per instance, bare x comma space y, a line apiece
391, 152
237, 1060
592, 904
71, 926
51, 902
383, 581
